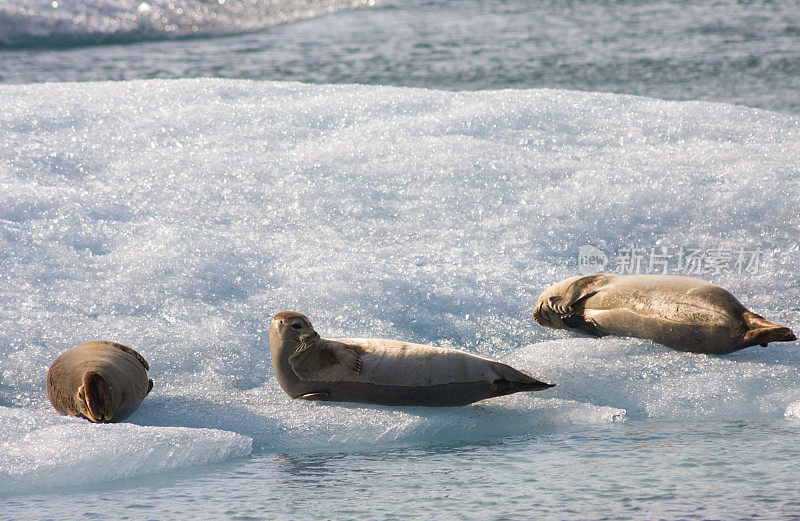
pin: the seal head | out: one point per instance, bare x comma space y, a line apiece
290, 333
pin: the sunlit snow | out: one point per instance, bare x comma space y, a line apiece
177, 217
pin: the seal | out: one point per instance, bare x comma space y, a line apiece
683, 313
100, 381
385, 372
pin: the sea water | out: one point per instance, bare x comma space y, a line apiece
177, 216
740, 52
634, 470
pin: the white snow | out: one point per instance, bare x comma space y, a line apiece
178, 216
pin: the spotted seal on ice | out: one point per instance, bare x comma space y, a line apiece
99, 380
684, 313
387, 372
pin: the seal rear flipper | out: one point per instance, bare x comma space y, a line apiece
762, 331
502, 387
513, 380
583, 324
95, 400
315, 396
580, 289
765, 335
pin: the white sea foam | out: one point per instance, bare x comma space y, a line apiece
58, 22
177, 216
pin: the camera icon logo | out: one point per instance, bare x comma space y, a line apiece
591, 260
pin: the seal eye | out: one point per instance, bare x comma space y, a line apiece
296, 326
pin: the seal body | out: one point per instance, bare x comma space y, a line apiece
100, 381
684, 313
387, 372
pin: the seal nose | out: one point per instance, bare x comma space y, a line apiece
310, 337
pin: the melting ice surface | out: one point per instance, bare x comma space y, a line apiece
178, 216
58, 22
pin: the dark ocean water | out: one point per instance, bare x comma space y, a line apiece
738, 52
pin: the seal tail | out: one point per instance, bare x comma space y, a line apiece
96, 396
514, 381
761, 331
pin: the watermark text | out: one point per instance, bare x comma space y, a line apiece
677, 260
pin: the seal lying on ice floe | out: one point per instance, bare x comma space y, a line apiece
100, 381
384, 372
683, 313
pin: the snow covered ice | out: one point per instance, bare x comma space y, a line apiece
177, 217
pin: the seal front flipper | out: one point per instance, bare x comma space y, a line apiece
311, 361
317, 397
582, 288
94, 398
583, 324
317, 361
311, 357
347, 355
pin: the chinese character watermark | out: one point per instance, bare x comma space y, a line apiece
680, 260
